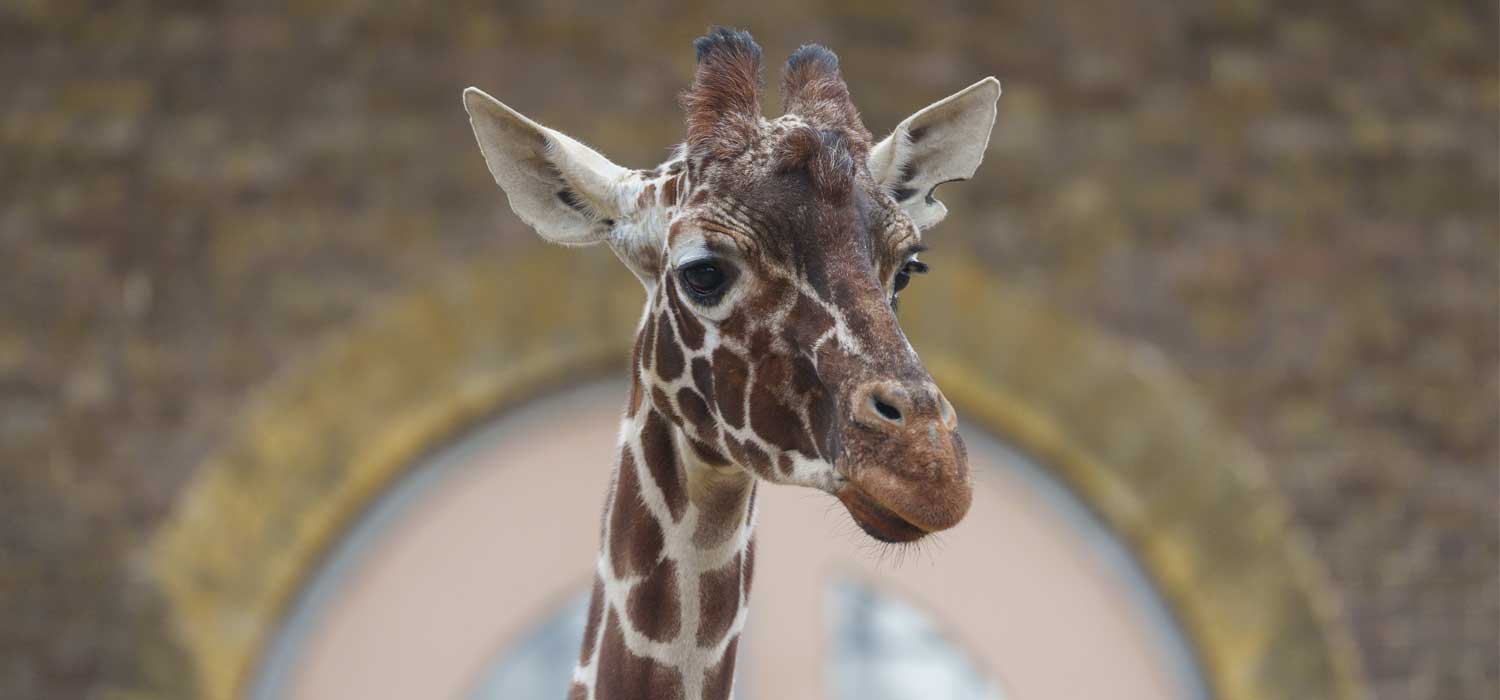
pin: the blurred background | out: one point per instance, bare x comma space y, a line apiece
1295, 202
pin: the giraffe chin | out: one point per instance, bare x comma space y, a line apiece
876, 520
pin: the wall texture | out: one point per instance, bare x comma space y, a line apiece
1295, 202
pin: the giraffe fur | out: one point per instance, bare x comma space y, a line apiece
772, 252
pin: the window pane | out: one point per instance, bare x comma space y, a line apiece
884, 649
540, 664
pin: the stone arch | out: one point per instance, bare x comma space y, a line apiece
1191, 500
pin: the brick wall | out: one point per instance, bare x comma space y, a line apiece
1295, 202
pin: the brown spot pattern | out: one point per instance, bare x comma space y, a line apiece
760, 343
804, 376
660, 453
688, 324
635, 537
719, 601
703, 378
579, 691
669, 191
750, 455
653, 605
649, 343
663, 404
668, 356
625, 676
730, 375
775, 423
727, 497
694, 409
708, 454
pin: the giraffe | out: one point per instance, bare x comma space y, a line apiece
772, 252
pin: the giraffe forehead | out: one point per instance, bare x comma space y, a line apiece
777, 219
772, 181
787, 141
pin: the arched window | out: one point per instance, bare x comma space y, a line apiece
373, 528
468, 578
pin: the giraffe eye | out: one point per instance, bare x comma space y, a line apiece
903, 277
705, 280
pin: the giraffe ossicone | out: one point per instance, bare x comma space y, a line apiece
772, 252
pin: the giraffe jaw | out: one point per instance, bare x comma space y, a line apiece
876, 520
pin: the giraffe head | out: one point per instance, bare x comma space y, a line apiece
773, 252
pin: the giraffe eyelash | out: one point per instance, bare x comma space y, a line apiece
903, 278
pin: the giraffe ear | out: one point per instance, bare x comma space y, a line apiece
565, 190
944, 142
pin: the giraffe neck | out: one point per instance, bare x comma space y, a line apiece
672, 579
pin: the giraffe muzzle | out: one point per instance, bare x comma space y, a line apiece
905, 464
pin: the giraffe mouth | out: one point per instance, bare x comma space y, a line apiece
876, 520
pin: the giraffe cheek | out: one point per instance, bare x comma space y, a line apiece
777, 424
669, 361
664, 406
703, 379
730, 376
695, 410
749, 455
692, 329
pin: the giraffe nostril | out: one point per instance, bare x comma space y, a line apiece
882, 405
889, 412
